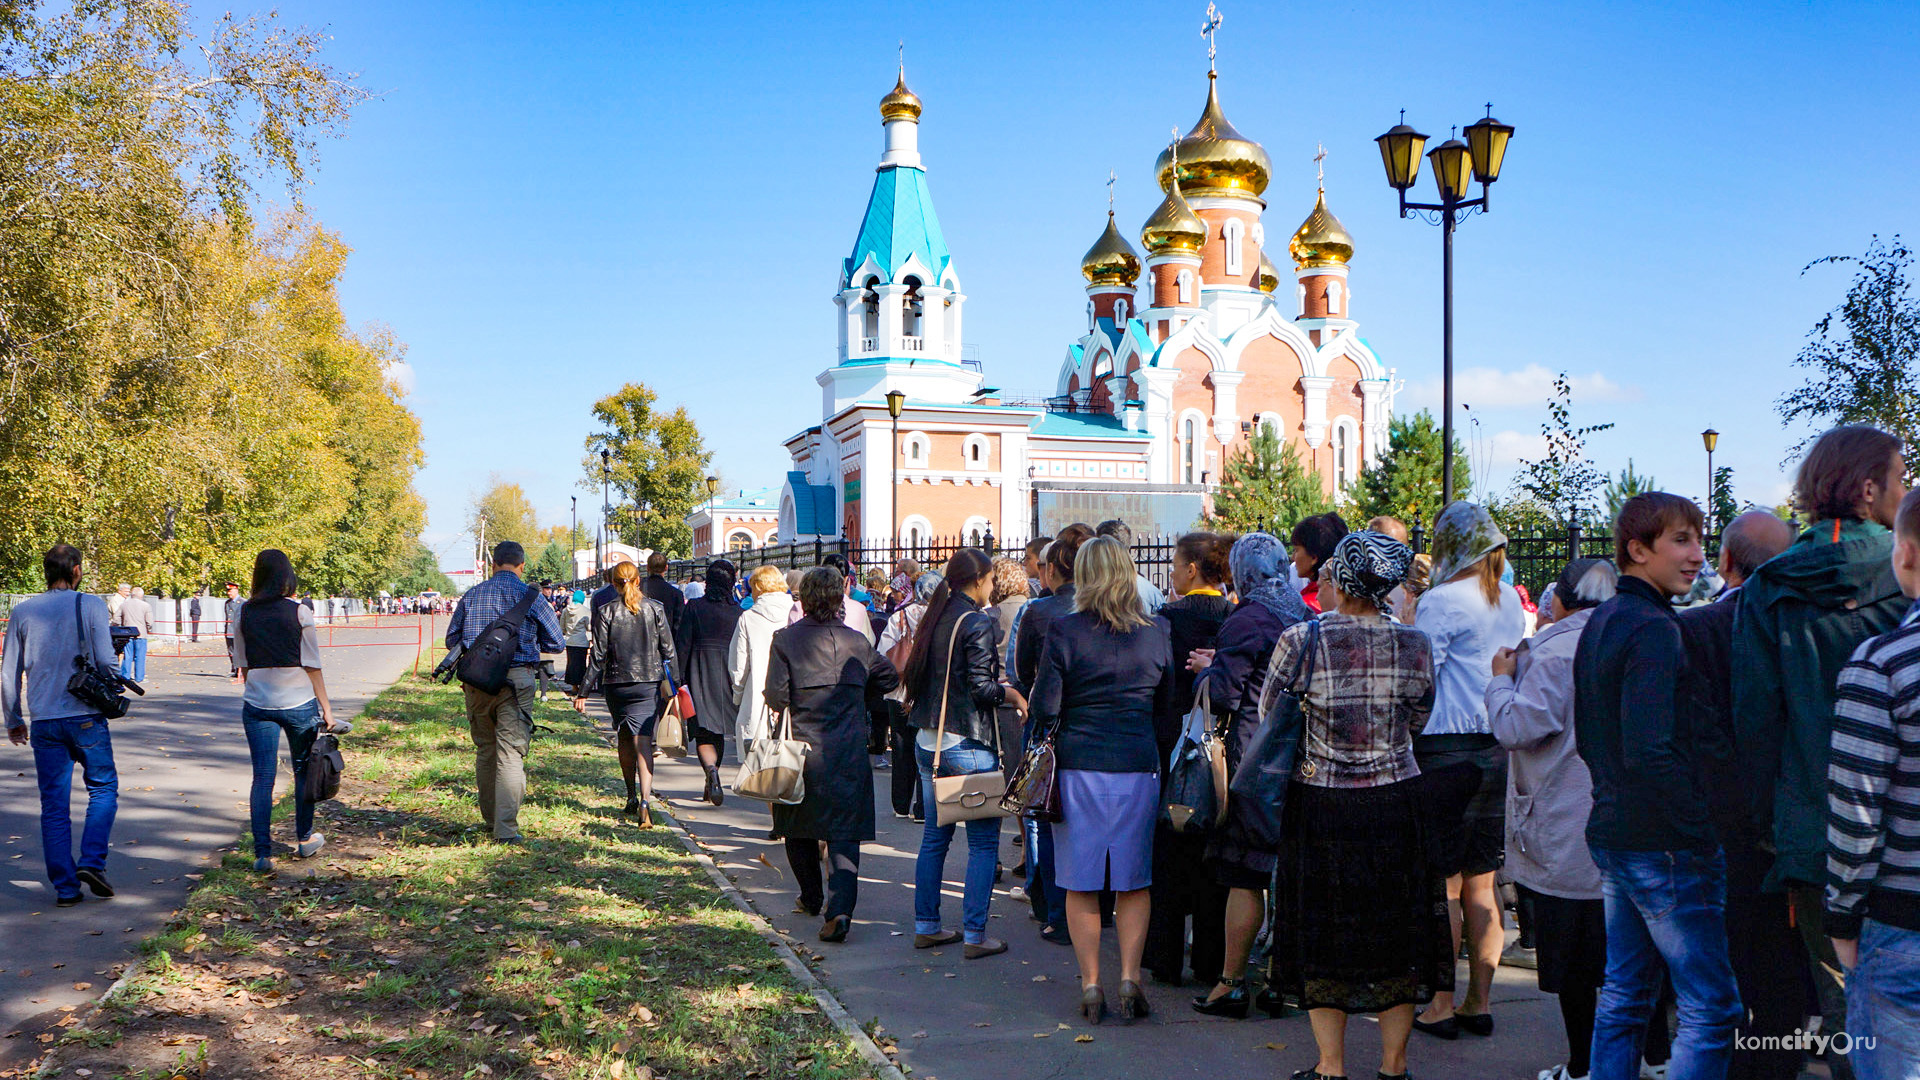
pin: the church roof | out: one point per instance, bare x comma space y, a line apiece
814, 508
761, 499
900, 223
1085, 426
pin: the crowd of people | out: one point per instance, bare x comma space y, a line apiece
1701, 806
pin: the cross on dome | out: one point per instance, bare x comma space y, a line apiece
1207, 30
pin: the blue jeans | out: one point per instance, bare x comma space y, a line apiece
133, 662
1049, 900
59, 745
1883, 1004
1666, 913
983, 846
302, 725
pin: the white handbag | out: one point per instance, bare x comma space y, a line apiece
774, 770
971, 795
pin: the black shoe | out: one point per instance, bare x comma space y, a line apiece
1309, 1074
1274, 1004
1235, 1002
95, 880
1056, 935
1448, 1029
835, 929
633, 805
67, 901
1480, 1024
713, 794
1408, 1075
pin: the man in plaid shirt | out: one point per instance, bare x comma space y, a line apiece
502, 723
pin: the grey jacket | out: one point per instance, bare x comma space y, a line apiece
1549, 791
43, 637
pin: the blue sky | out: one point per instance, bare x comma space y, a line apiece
549, 200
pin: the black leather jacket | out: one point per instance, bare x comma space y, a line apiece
972, 685
627, 646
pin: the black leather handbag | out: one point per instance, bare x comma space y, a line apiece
1259, 787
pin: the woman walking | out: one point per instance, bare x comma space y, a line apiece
1104, 684
631, 653
1235, 677
706, 631
1182, 888
821, 676
1469, 615
1312, 540
1360, 915
1530, 705
576, 622
277, 653
752, 648
953, 676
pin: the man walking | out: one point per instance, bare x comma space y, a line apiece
138, 614
43, 638
1662, 876
656, 586
1800, 618
193, 615
232, 617
502, 723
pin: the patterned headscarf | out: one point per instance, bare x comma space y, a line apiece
1462, 536
1369, 565
1258, 562
925, 585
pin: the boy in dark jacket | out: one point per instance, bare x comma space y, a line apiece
1800, 617
1662, 876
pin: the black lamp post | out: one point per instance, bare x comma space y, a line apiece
573, 533
1455, 165
1710, 439
896, 401
713, 520
606, 479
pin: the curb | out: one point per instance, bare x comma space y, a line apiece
49, 1064
829, 1004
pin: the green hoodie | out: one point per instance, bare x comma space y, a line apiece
1800, 617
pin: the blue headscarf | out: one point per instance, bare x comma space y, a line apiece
1258, 562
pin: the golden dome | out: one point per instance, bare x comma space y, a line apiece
1111, 260
1321, 239
1174, 227
900, 103
1214, 158
1269, 274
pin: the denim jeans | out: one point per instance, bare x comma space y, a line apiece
1883, 1004
59, 745
983, 846
133, 662
1049, 900
302, 725
1665, 911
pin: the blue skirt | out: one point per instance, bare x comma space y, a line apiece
1104, 838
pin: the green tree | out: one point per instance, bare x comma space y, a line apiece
1628, 484
1862, 353
1724, 508
1564, 480
656, 461
501, 513
553, 563
1267, 487
419, 571
1404, 482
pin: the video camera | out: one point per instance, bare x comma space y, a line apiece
121, 635
444, 671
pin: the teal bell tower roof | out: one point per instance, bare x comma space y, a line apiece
899, 226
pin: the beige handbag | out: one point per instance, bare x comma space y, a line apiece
775, 768
974, 795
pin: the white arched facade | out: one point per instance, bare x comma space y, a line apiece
916, 450
976, 451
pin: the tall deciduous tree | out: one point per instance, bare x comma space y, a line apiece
1564, 480
419, 571
502, 512
1863, 354
1267, 487
656, 459
1404, 482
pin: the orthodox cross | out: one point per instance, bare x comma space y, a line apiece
1320, 161
1207, 29
1110, 179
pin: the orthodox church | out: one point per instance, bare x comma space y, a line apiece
1187, 348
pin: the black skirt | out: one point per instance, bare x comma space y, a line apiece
1570, 940
576, 665
1360, 911
634, 707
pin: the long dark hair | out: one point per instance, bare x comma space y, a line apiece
967, 566
273, 576
720, 577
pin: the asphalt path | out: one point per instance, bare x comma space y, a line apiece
184, 778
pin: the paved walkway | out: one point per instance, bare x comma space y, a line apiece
184, 777
1017, 1014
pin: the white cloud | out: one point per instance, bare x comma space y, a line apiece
1507, 448
1491, 388
400, 374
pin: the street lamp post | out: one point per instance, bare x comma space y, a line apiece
1455, 165
895, 402
1710, 439
606, 483
713, 519
573, 534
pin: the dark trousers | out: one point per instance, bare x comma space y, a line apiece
843, 875
1809, 914
905, 777
1769, 965
196, 629
1183, 889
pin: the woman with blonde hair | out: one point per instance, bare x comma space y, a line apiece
1104, 684
630, 652
752, 647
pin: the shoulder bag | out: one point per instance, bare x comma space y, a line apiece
1194, 798
670, 731
774, 770
93, 684
1259, 787
485, 663
325, 765
972, 795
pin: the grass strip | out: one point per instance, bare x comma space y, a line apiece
414, 946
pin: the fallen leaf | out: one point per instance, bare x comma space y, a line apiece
618, 1068
485, 1069
83, 986
645, 1014
1039, 978
1043, 1034
1083, 1038
552, 1002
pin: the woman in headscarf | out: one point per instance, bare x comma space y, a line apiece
1359, 916
706, 630
1469, 614
1311, 541
1233, 676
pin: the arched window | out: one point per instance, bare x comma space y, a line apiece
870, 308
974, 532
739, 540
1120, 312
1333, 298
1232, 233
916, 533
1300, 291
1189, 451
1346, 443
915, 450
1092, 319
977, 452
1183, 286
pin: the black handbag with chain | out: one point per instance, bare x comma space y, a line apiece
1259, 788
93, 683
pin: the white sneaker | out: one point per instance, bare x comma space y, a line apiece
1017, 894
1652, 1072
311, 846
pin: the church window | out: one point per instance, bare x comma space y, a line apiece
976, 452
1119, 313
915, 449
739, 541
1333, 298
1090, 317
1190, 437
1183, 286
1232, 233
1346, 440
1300, 291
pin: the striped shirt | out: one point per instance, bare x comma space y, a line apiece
1873, 786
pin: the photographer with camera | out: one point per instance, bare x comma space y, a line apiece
59, 642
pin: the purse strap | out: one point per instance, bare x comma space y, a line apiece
946, 691
1295, 682
80, 619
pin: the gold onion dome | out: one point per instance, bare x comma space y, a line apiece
1321, 239
1111, 260
1174, 227
1214, 158
900, 103
1269, 274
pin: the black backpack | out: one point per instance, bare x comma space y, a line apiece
324, 766
484, 664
